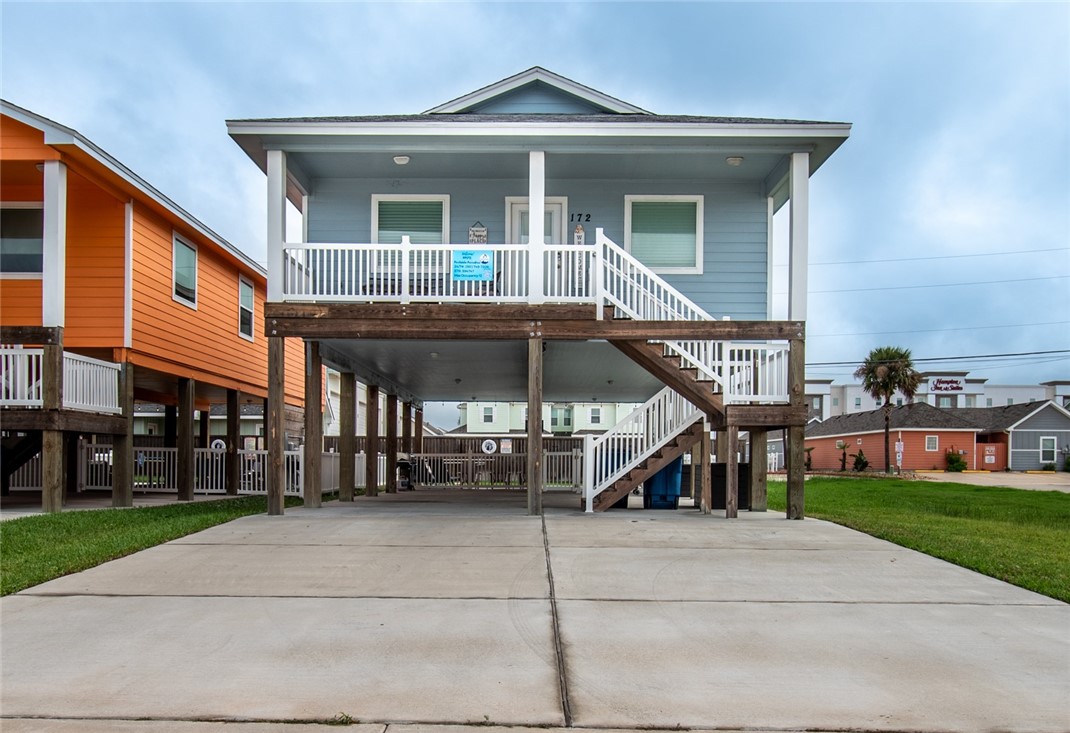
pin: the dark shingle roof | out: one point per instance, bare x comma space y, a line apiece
995, 419
525, 118
918, 416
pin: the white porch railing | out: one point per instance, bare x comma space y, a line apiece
611, 455
603, 273
89, 385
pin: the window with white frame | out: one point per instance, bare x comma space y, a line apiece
245, 308
488, 414
1010, 400
596, 416
665, 232
22, 236
932, 443
184, 272
945, 401
858, 403
988, 401
1047, 449
424, 218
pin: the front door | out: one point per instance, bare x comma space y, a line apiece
553, 228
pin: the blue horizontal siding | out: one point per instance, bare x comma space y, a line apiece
735, 259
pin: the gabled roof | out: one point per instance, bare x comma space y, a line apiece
58, 135
1006, 417
916, 416
536, 75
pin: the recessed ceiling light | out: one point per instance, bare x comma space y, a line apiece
733, 160
404, 159
433, 354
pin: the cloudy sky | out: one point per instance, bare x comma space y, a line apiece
942, 225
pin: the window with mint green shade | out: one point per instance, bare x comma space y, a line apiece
185, 272
421, 220
21, 240
663, 233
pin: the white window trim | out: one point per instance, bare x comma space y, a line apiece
247, 281
936, 444
24, 205
483, 414
444, 198
699, 236
175, 239
1054, 448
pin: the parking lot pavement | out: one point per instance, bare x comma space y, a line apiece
1058, 481
429, 612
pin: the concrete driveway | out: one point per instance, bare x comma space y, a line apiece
424, 610
1059, 481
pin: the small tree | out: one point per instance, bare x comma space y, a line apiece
887, 370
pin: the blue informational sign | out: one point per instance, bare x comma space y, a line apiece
473, 264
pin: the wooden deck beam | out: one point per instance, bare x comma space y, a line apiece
498, 322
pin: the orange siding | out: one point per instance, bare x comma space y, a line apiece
205, 339
95, 266
826, 456
20, 302
22, 142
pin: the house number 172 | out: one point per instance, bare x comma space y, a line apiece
579, 217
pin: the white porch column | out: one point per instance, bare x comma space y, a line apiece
536, 219
54, 249
799, 197
276, 224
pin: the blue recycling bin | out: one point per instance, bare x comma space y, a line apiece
662, 490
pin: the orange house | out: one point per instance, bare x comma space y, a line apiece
109, 293
925, 434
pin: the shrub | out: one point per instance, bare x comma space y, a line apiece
1048, 467
861, 462
955, 462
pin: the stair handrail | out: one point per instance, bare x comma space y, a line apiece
637, 292
638, 436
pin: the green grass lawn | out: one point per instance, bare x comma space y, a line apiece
45, 546
1022, 537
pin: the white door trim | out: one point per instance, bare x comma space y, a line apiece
562, 228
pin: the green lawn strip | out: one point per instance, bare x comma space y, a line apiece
41, 547
1019, 536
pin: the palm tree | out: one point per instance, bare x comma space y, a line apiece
887, 370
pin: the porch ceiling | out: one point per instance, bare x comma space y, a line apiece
574, 371
702, 165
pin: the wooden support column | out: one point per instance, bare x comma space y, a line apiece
53, 457
313, 449
275, 425
233, 480
406, 427
391, 444
418, 431
695, 464
705, 492
794, 435
535, 456
759, 468
185, 469
731, 473
122, 463
371, 452
347, 431
204, 429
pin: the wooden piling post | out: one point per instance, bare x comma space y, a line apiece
731, 474
347, 431
535, 456
122, 457
759, 469
371, 451
185, 468
391, 477
706, 479
313, 448
276, 425
233, 479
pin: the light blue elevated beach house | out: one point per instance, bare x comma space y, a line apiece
645, 279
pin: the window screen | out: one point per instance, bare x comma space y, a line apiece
421, 220
664, 233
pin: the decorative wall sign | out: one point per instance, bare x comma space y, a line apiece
506, 445
473, 264
477, 233
489, 446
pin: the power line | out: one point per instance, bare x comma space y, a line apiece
935, 330
951, 358
942, 285
941, 257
